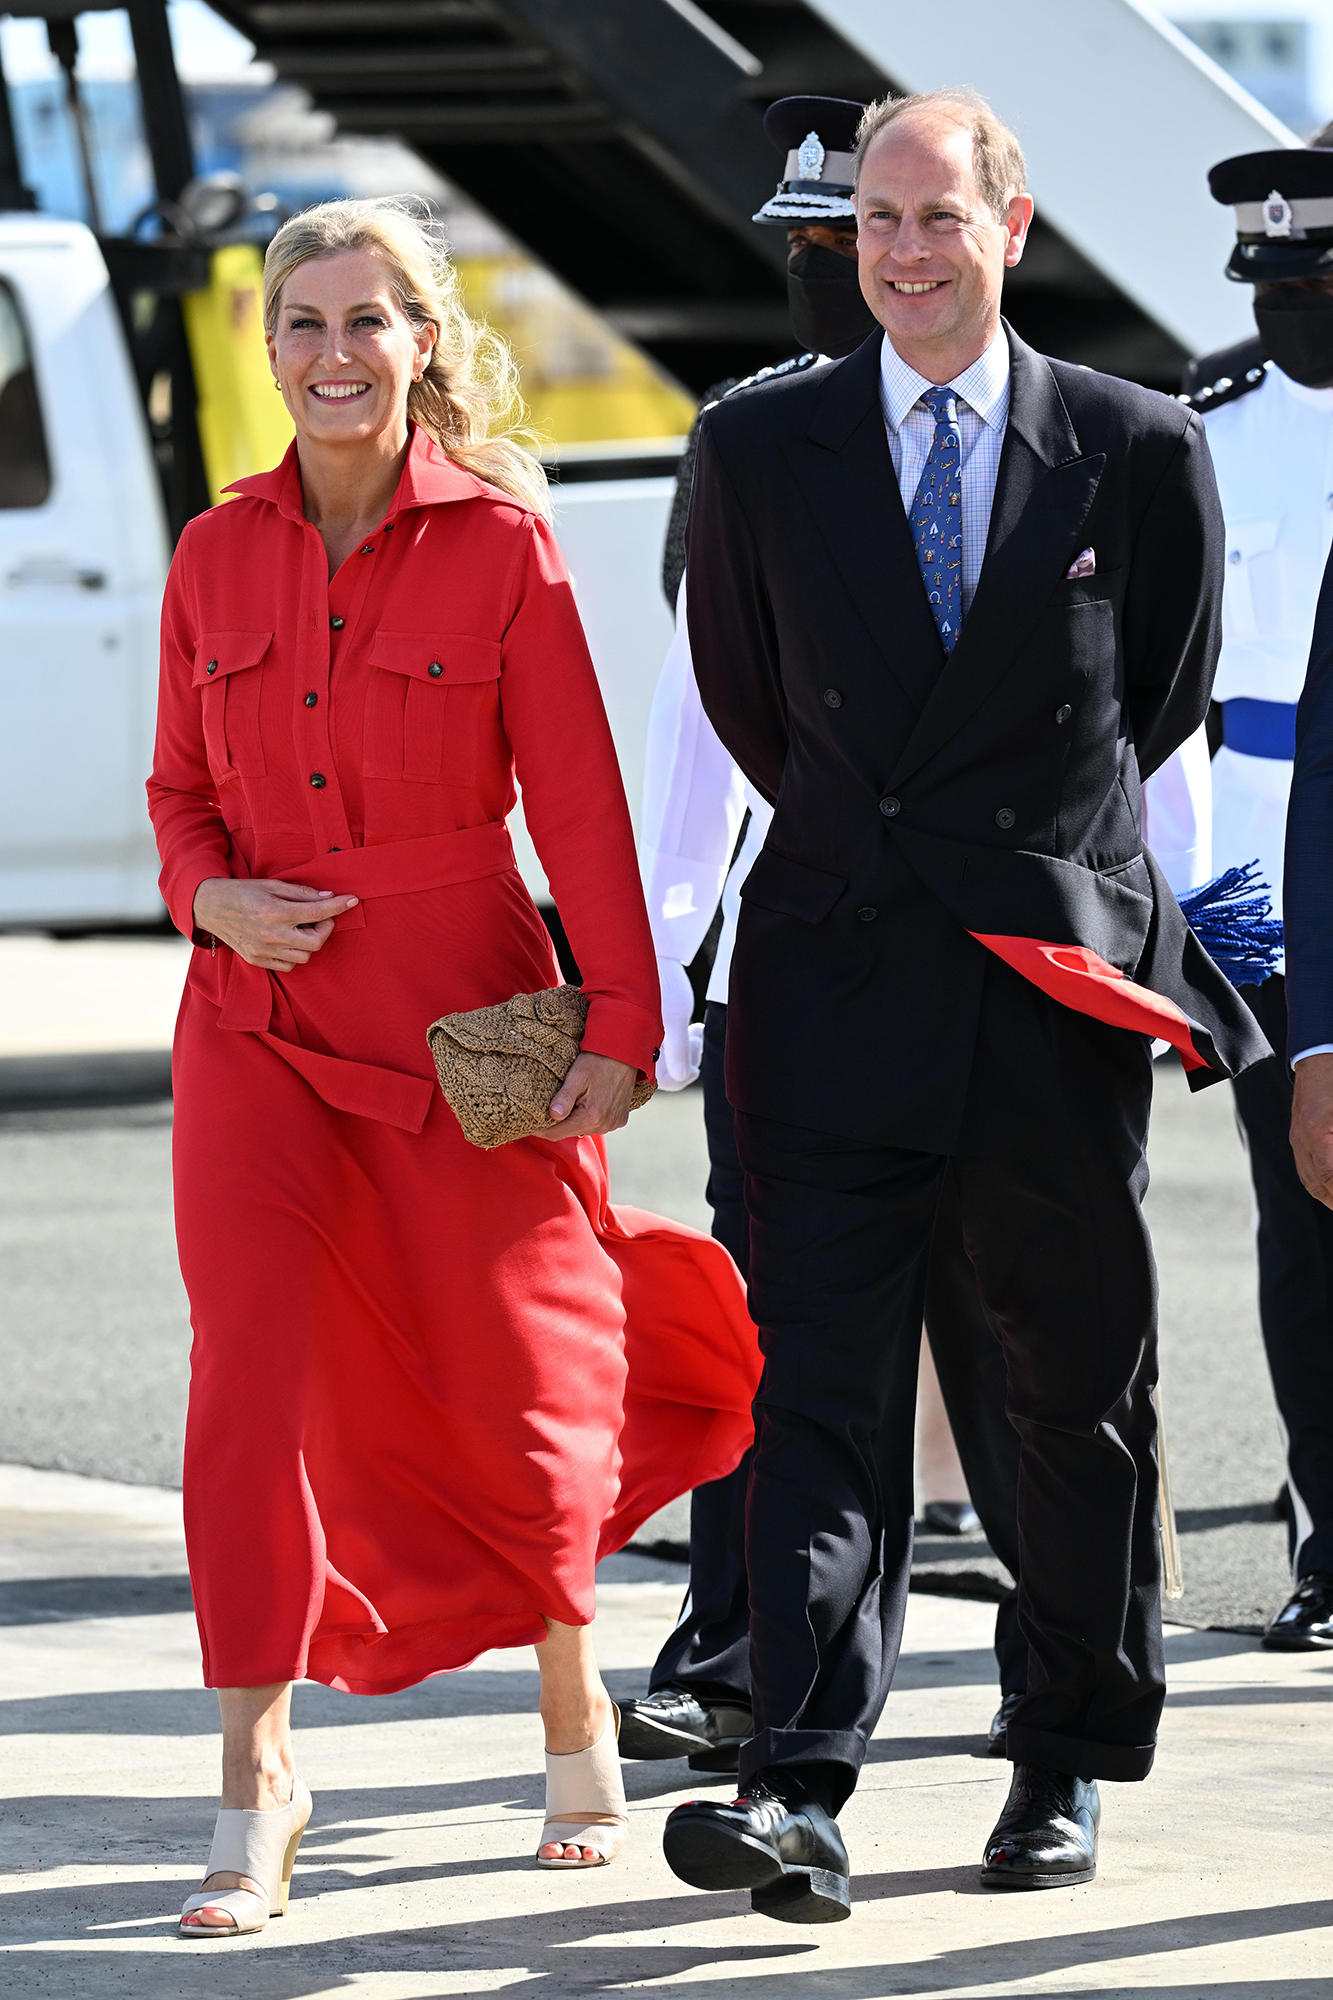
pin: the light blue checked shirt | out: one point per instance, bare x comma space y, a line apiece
983, 411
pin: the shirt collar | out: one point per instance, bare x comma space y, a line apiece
429, 476
1318, 399
984, 387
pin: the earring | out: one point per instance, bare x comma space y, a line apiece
277, 385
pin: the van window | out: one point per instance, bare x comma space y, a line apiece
25, 470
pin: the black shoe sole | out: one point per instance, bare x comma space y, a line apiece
805, 1896
723, 1758
1003, 1878
643, 1741
647, 1742
709, 1856
1277, 1642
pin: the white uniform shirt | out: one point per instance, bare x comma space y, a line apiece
694, 804
1273, 454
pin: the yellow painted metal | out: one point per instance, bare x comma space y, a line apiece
581, 382
243, 426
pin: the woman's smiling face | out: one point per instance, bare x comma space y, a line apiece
343, 352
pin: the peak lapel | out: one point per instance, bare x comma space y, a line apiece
845, 472
1042, 496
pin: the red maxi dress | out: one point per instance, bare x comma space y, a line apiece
430, 1385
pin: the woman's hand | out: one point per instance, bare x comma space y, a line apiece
593, 1098
276, 925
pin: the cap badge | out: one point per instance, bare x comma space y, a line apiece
1277, 215
810, 158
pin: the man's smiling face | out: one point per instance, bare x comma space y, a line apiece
932, 252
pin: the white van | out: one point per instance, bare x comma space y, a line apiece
83, 555
84, 550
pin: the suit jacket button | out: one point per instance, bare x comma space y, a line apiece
212, 667
832, 699
435, 670
868, 913
318, 780
1005, 817
890, 808
1063, 713
337, 623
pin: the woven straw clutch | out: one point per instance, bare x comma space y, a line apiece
499, 1067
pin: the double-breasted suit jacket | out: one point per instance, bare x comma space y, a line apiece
924, 804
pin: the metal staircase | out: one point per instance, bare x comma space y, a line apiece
621, 141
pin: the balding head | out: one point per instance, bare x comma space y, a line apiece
997, 157
941, 212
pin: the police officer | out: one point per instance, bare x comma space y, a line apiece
695, 805
1267, 406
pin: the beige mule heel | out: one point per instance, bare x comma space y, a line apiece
261, 1846
585, 1801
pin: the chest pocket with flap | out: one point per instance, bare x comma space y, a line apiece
427, 699
228, 671
1252, 606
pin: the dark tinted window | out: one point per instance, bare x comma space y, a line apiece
25, 470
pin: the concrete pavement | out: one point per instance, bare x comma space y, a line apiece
416, 1880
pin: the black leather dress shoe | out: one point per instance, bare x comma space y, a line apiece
950, 1517
790, 1857
1305, 1622
672, 1722
1046, 1837
997, 1736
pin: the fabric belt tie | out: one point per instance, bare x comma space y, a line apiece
1260, 728
252, 997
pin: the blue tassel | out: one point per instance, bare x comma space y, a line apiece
1232, 917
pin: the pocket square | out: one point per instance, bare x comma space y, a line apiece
1083, 565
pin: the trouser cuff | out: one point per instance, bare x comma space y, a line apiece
1120, 1763
841, 1753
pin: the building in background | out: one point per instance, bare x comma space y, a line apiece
1269, 58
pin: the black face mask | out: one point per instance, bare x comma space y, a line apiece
1296, 329
828, 313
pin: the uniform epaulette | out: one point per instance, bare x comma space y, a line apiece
1224, 377
795, 366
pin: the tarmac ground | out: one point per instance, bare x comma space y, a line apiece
94, 1334
416, 1878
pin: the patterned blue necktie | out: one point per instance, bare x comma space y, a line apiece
937, 519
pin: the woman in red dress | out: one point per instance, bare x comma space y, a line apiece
430, 1385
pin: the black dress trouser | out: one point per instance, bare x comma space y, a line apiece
1295, 1286
1049, 1174
709, 1650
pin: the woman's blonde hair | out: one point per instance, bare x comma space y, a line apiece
468, 396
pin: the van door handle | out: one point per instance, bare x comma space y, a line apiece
54, 572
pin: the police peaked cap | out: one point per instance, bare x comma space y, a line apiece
817, 136
1284, 213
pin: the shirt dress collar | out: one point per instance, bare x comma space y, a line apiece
428, 478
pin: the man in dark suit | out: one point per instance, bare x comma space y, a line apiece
1307, 913
952, 954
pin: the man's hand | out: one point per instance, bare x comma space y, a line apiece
276, 925
1312, 1126
593, 1098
